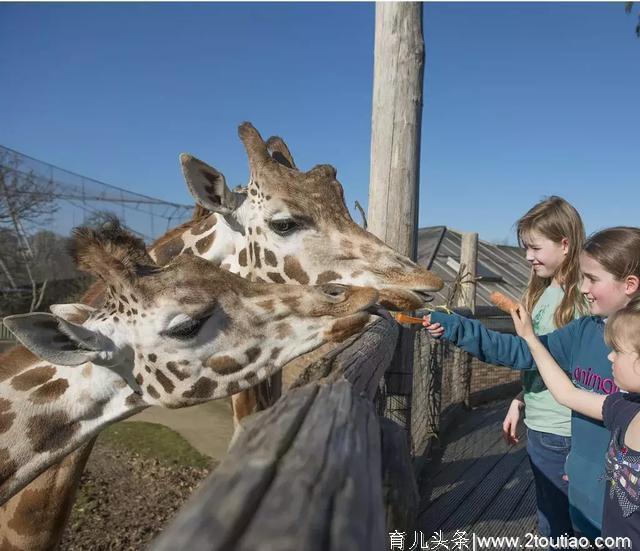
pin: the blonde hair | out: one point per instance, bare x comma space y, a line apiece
623, 327
556, 219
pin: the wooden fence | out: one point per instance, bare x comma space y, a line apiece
5, 334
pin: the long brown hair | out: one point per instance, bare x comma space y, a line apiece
556, 219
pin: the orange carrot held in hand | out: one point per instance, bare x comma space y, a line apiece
504, 303
401, 317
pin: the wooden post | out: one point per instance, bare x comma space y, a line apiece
466, 298
395, 161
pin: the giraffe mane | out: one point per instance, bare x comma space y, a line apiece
110, 251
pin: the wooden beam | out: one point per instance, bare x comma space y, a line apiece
465, 298
396, 124
395, 162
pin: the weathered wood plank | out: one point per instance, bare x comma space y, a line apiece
293, 481
217, 516
399, 484
361, 360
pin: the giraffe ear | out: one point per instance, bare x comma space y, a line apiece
280, 152
56, 340
208, 186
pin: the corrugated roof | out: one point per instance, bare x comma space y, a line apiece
439, 251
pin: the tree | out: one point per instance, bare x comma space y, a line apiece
26, 201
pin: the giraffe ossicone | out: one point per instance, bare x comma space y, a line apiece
173, 336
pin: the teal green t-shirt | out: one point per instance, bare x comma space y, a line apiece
542, 412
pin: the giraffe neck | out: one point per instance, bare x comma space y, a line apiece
34, 519
215, 238
46, 411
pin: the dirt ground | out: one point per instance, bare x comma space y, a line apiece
139, 474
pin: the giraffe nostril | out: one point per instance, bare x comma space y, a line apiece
334, 290
424, 295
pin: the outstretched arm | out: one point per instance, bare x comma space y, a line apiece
555, 378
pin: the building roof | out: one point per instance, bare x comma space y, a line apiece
500, 267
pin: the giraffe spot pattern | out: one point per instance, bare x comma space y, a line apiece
275, 277
49, 392
242, 257
202, 388
270, 258
204, 226
165, 382
176, 371
256, 255
7, 468
253, 353
33, 377
291, 302
133, 399
6, 416
51, 431
326, 277
223, 365
205, 243
169, 250
283, 329
267, 304
293, 270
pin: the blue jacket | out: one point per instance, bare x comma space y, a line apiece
579, 349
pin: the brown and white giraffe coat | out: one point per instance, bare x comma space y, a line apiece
172, 336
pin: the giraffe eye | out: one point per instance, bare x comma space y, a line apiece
284, 226
186, 330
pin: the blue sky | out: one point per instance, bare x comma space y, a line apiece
521, 100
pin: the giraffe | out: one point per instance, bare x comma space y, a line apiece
289, 226
173, 336
284, 226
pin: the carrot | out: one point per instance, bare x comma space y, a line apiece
401, 317
504, 303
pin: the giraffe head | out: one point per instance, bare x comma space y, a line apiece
189, 331
289, 226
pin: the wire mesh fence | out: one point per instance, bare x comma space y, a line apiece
40, 204
76, 199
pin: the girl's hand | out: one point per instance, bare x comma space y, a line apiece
435, 329
522, 321
510, 423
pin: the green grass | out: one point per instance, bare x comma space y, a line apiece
153, 441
